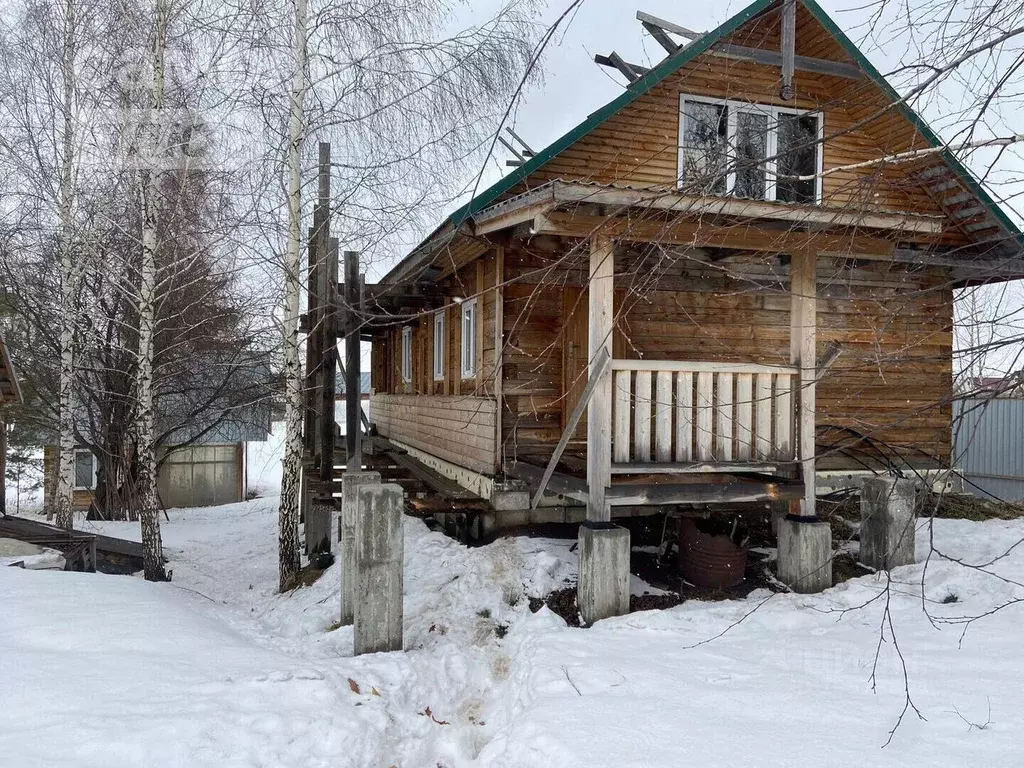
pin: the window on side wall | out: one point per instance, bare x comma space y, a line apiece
407, 354
469, 334
750, 151
85, 471
439, 346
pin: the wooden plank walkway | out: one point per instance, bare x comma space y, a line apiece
83, 550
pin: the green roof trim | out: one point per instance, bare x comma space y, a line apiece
684, 56
635, 90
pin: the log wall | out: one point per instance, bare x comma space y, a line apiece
457, 429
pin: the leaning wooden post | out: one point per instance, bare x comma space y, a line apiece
319, 514
353, 390
604, 547
805, 541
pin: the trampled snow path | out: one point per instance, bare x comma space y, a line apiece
215, 669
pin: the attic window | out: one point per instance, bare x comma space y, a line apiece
742, 149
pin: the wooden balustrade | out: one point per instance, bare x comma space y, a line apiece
672, 416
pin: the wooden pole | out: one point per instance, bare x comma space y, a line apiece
788, 44
329, 361
802, 352
599, 411
352, 389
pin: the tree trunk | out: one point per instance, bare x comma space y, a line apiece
288, 513
69, 272
149, 505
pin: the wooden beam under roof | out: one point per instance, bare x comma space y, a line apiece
697, 233
756, 55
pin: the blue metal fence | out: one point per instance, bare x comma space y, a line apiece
988, 446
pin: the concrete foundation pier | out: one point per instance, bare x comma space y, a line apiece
888, 512
350, 484
604, 571
805, 554
379, 579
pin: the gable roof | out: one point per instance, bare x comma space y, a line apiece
667, 67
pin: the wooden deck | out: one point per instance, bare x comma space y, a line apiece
83, 550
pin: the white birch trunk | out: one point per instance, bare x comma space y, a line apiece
288, 513
149, 512
69, 280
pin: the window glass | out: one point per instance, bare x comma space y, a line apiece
705, 128
797, 156
751, 151
439, 345
83, 469
407, 354
469, 338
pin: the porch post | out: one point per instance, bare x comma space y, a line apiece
805, 541
604, 549
599, 410
803, 353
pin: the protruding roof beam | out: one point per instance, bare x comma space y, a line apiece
788, 49
757, 55
631, 72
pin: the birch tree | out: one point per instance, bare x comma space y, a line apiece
288, 511
70, 272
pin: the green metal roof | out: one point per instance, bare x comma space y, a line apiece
681, 58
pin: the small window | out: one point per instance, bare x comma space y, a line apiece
469, 339
705, 131
751, 151
751, 155
798, 156
439, 346
407, 354
85, 471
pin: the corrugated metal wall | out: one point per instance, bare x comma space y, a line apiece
988, 446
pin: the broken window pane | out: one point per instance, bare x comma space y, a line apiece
798, 156
751, 151
705, 127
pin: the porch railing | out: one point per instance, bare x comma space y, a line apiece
692, 416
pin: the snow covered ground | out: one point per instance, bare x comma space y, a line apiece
216, 669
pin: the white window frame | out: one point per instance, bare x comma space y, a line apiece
771, 148
468, 352
407, 354
95, 469
439, 346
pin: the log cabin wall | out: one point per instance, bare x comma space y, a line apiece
453, 417
892, 383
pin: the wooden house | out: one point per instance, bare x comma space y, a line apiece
741, 269
10, 394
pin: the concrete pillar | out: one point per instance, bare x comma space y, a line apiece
604, 571
888, 511
350, 483
805, 554
379, 551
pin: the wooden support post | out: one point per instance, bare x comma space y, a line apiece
3, 465
329, 360
788, 49
353, 404
802, 352
599, 411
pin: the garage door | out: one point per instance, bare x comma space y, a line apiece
201, 476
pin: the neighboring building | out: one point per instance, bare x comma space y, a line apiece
1010, 386
717, 233
204, 459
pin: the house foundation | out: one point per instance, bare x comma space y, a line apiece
888, 512
351, 483
380, 549
805, 554
604, 571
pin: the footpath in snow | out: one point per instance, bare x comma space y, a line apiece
215, 669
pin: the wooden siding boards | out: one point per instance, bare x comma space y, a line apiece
460, 430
